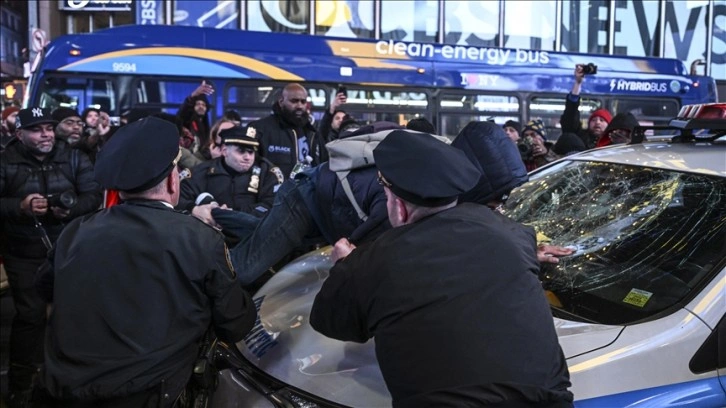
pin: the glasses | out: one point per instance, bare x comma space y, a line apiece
382, 181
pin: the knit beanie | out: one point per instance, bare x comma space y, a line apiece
63, 113
513, 124
537, 126
601, 113
9, 111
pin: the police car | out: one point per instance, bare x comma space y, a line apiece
639, 307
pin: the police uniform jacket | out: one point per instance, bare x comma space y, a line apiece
21, 174
252, 191
279, 141
458, 314
136, 287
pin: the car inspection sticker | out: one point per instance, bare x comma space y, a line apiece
637, 297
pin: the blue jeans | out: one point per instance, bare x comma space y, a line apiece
265, 242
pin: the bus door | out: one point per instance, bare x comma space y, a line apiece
80, 92
457, 108
549, 108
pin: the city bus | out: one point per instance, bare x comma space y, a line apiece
156, 67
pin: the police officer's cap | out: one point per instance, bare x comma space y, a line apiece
422, 170
138, 156
238, 135
33, 116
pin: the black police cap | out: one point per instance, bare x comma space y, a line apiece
424, 170
138, 156
33, 116
246, 136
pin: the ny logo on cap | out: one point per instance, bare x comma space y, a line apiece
37, 112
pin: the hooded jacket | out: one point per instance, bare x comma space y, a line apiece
490, 149
621, 121
279, 141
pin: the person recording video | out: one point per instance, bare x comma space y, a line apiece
570, 119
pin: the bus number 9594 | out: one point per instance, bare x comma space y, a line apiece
124, 67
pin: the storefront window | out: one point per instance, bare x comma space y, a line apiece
529, 24
585, 26
223, 14
291, 16
471, 23
416, 21
344, 18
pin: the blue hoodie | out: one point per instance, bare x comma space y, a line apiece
489, 148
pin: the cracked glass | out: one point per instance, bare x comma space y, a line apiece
645, 239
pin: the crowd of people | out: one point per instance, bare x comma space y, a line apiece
106, 264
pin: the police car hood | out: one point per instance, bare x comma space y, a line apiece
285, 346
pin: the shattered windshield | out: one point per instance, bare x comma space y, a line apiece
644, 238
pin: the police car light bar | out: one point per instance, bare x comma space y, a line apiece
704, 116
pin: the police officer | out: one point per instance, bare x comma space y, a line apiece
238, 179
459, 317
44, 184
136, 285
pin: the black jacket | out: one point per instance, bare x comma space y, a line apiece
339, 217
570, 122
136, 287
198, 125
458, 314
279, 141
22, 174
234, 191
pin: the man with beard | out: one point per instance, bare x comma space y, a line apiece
286, 137
7, 126
570, 119
238, 179
193, 115
35, 170
70, 125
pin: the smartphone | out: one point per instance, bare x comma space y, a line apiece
342, 89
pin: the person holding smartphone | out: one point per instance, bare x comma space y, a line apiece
329, 127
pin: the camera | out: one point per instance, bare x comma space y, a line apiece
525, 146
589, 69
66, 200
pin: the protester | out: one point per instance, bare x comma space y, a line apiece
136, 286
490, 149
570, 119
44, 184
619, 130
329, 125
316, 203
421, 125
194, 115
512, 129
7, 125
70, 125
534, 142
286, 137
449, 289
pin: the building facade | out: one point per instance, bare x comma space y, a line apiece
693, 31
